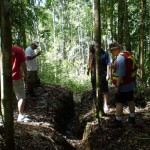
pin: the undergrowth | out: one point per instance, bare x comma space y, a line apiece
64, 74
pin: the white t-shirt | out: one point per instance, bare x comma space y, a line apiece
31, 64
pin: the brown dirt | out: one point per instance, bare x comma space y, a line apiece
46, 133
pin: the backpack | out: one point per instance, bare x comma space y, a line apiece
131, 68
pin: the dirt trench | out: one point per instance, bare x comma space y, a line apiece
63, 121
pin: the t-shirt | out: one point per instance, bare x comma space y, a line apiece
120, 71
18, 57
91, 68
31, 64
105, 61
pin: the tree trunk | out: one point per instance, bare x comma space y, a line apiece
97, 40
120, 20
6, 74
143, 5
126, 28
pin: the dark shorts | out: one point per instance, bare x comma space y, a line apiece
123, 97
104, 85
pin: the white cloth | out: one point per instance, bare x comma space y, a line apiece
31, 64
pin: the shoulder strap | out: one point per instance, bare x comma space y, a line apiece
126, 54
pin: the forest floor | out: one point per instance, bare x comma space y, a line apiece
41, 134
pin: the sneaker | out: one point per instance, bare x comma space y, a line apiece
131, 121
106, 108
116, 124
23, 118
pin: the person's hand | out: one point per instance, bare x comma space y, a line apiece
39, 53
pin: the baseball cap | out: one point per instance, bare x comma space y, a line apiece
114, 45
36, 42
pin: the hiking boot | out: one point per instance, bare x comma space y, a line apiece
116, 124
23, 118
131, 121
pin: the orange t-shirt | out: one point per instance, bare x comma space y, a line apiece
91, 67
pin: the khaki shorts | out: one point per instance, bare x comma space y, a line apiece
19, 89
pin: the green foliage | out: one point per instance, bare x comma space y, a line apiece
62, 73
66, 29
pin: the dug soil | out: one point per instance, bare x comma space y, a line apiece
61, 120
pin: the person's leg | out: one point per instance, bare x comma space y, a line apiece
131, 105
106, 98
117, 123
18, 87
19, 90
37, 79
21, 104
104, 88
30, 83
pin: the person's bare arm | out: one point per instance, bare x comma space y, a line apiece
108, 72
32, 57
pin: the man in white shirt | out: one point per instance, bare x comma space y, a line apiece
33, 79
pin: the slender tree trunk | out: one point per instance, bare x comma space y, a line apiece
105, 17
126, 28
6, 74
54, 38
112, 29
97, 40
142, 37
120, 20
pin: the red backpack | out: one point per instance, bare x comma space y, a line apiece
131, 68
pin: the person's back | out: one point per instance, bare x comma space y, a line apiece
121, 71
105, 62
18, 58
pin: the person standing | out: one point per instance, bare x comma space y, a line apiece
105, 74
91, 67
33, 78
19, 71
124, 79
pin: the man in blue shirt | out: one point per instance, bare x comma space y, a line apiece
123, 90
105, 74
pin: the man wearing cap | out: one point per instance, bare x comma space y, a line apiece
33, 79
124, 88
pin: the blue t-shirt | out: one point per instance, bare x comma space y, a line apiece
105, 61
120, 71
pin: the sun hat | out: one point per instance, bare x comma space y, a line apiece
114, 45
